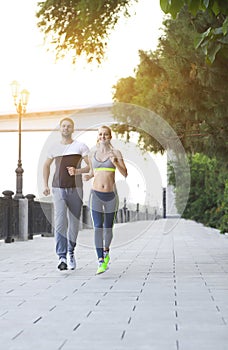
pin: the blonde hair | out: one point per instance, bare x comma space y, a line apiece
107, 128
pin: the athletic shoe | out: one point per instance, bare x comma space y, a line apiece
102, 267
106, 258
71, 262
62, 264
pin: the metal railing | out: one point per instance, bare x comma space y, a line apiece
38, 217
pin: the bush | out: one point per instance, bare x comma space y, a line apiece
208, 197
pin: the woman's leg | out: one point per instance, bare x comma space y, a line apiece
97, 217
110, 210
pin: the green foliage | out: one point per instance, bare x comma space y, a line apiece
174, 6
223, 209
215, 36
141, 122
208, 197
177, 84
80, 26
83, 26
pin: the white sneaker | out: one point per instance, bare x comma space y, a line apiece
71, 262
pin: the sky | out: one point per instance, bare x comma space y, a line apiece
52, 85
62, 85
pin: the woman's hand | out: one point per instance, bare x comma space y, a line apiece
117, 159
113, 157
87, 177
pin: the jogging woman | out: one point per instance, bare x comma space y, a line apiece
103, 197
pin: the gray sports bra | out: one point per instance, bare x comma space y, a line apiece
106, 165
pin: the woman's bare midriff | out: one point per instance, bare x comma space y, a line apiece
104, 181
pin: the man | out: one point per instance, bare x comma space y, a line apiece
67, 191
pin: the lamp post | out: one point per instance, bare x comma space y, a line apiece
20, 102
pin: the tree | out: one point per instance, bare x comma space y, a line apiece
83, 26
176, 83
80, 26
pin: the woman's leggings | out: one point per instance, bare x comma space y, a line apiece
104, 206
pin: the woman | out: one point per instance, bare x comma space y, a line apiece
104, 198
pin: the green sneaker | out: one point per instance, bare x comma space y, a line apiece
106, 258
102, 267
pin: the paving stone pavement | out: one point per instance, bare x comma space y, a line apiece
166, 289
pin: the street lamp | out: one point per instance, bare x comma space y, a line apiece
20, 102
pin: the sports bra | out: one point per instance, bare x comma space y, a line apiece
106, 165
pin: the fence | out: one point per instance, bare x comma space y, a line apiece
24, 218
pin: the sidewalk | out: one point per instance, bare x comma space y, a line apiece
166, 289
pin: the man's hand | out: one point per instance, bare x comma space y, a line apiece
46, 191
72, 170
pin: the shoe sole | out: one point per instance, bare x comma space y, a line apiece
99, 273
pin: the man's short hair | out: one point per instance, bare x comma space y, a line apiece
66, 119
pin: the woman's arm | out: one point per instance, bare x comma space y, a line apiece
117, 159
87, 177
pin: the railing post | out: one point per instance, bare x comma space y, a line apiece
9, 205
23, 219
137, 211
120, 216
125, 210
147, 214
86, 217
164, 202
128, 215
30, 198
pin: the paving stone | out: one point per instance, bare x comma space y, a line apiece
166, 289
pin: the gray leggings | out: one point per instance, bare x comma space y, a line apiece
103, 207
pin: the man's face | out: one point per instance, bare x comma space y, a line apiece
66, 128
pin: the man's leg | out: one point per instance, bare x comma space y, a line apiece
60, 223
74, 202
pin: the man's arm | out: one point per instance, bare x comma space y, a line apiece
46, 174
87, 167
73, 171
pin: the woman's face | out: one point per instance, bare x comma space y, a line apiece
104, 135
